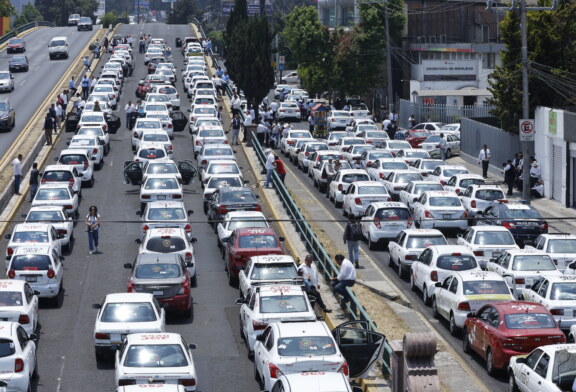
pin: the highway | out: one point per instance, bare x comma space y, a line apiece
32, 87
66, 354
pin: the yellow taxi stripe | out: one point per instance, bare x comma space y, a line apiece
493, 297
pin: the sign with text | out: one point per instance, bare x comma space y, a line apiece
449, 70
253, 9
526, 130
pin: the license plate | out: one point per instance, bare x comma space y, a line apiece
30, 278
157, 293
6, 319
161, 197
447, 216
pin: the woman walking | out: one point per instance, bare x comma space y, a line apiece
93, 227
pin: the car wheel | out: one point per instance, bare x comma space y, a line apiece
337, 204
344, 212
448, 154
401, 271
425, 296
466, 341
194, 281
454, 329
490, 362
371, 244
512, 386
188, 313
412, 283
257, 377
92, 182
231, 280
435, 308
570, 338
35, 371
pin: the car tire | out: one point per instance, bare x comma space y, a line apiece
337, 204
257, 377
35, 371
490, 362
187, 313
194, 281
466, 342
92, 182
512, 386
448, 154
425, 298
435, 312
412, 283
454, 329
231, 280
401, 271
372, 245
26, 69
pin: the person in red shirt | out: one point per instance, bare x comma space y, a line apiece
280, 169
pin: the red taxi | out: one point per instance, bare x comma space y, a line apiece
416, 137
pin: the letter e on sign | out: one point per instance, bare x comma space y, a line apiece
526, 130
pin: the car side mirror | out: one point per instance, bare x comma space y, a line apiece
33, 337
7, 236
192, 346
471, 315
96, 306
459, 235
260, 338
93, 158
139, 213
190, 212
36, 292
194, 240
520, 360
438, 284
23, 215
128, 266
138, 241
189, 264
240, 301
55, 159
282, 239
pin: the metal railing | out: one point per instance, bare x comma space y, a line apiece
353, 308
13, 33
440, 113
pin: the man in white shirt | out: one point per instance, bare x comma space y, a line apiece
236, 105
310, 276
269, 166
346, 277
274, 108
484, 158
443, 146
537, 191
17, 165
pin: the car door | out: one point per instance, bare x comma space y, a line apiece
481, 331
133, 173
348, 196
243, 277
113, 122
32, 301
421, 267
27, 346
538, 376
246, 311
526, 370
532, 293
188, 171
367, 220
359, 344
179, 120
262, 350
418, 207
441, 294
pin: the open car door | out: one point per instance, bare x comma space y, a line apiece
113, 122
132, 173
179, 121
359, 345
188, 171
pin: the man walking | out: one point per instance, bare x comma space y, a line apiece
48, 127
72, 85
236, 105
129, 109
85, 87
346, 277
17, 165
484, 158
352, 235
34, 175
509, 176
310, 276
280, 169
443, 146
312, 123
269, 167
236, 124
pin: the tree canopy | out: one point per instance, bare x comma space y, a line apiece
58, 11
183, 12
29, 14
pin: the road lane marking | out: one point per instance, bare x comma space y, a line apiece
22, 82
59, 387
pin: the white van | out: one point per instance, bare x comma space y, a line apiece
58, 47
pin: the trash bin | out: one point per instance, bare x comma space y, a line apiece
72, 120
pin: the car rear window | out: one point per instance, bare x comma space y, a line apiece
418, 189
380, 154
52, 194
431, 165
57, 176
443, 201
217, 151
218, 182
392, 214
405, 178
489, 194
529, 321
394, 166
223, 169
273, 271
494, 238
418, 242
158, 271
155, 356
351, 142
210, 133
167, 90
136, 312
350, 178
456, 263
165, 244
486, 287
258, 241
31, 263
161, 168
7, 348
73, 159
90, 118
166, 214
371, 190
562, 246
10, 298
283, 304
151, 153
300, 135
313, 346
148, 125
155, 137
44, 216
473, 181
239, 223
563, 291
533, 263
30, 236
463, 183
161, 183
522, 213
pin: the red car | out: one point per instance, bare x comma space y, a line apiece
146, 85
16, 45
416, 137
500, 330
245, 243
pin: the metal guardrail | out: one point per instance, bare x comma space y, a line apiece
21, 29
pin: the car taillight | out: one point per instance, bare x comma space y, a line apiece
10, 251
169, 125
50, 274
131, 287
275, 372
259, 325
23, 319
358, 201
291, 141
369, 141
479, 253
557, 312
222, 210
258, 207
188, 256
464, 306
442, 182
458, 191
127, 381
306, 153
381, 175
509, 225
145, 196
344, 369
101, 336
145, 228
185, 289
410, 222
520, 281
198, 142
188, 228
397, 188
187, 382
68, 207
71, 182
225, 141
427, 214
434, 276
43, 181
464, 214
473, 204
85, 165
105, 127
340, 187
409, 257
18, 365
11, 274
298, 151
544, 226
136, 160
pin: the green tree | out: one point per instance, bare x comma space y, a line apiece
6, 8
233, 37
29, 14
109, 18
183, 12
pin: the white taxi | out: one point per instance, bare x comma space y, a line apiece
487, 242
160, 187
397, 181
558, 295
460, 182
18, 363
156, 136
409, 155
148, 358
165, 214
89, 143
81, 160
435, 263
147, 152
65, 174
561, 246
290, 139
195, 126
41, 267
427, 166
272, 303
361, 194
97, 130
224, 166
383, 220
19, 303
445, 172
208, 134
57, 217
313, 382
121, 314
152, 388
267, 269
59, 195
342, 181
414, 189
476, 198
141, 125
464, 292
32, 234
219, 181
214, 152
409, 244
237, 220
522, 268
381, 168
440, 209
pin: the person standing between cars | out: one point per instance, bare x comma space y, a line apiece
443, 146
85, 86
96, 107
275, 135
142, 45
34, 175
310, 276
311, 122
63, 101
269, 166
236, 124
412, 121
509, 176
93, 229
280, 169
17, 166
59, 112
484, 158
52, 112
72, 85
87, 63
48, 127
352, 237
105, 44
129, 109
93, 83
274, 108
346, 277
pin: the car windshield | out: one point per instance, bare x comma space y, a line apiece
217, 151
379, 154
456, 262
421, 188
444, 201
155, 137
337, 136
489, 194
274, 271
562, 246
258, 241
7, 348
351, 142
371, 190
533, 263
72, 159
485, 287
52, 194
155, 356
91, 118
31, 262
158, 271
167, 90
166, 214
223, 168
419, 242
564, 291
350, 178
148, 125
4, 75
392, 214
239, 223
238, 196
90, 131
165, 244
306, 346
522, 213
395, 165
529, 321
57, 176
211, 133
161, 183
161, 168
15, 41
494, 238
82, 142
283, 304
3, 106
221, 182
44, 216
405, 178
57, 43
151, 153
128, 312
431, 165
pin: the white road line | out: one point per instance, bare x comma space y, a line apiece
22, 82
59, 387
111, 161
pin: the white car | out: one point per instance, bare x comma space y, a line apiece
259, 270
92, 119
121, 314
522, 268
360, 194
476, 198
345, 143
446, 172
561, 247
160, 111
487, 242
162, 166
156, 136
91, 144
373, 137
57, 194
370, 156
320, 175
338, 120
159, 98
99, 131
395, 145
448, 129
144, 124
333, 138
57, 217
19, 304
359, 129
161, 187
41, 267
302, 161
28, 234
463, 292
147, 358
409, 155
104, 107
165, 214
342, 181
440, 209
81, 160
198, 111
398, 180
19, 360
168, 90
381, 168
237, 220
408, 245
460, 182
414, 189
558, 295
219, 167
358, 121
429, 126
312, 382
208, 134
214, 152
272, 303
65, 174
170, 240
147, 152
435, 263
290, 140
205, 100
432, 145
426, 166
383, 220
108, 90
354, 152
295, 149
195, 126
6, 81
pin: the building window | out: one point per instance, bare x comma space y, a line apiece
488, 60
329, 17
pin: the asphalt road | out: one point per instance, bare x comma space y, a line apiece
381, 257
32, 87
66, 355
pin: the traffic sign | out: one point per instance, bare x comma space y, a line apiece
281, 59
527, 130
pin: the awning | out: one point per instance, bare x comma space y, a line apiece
475, 92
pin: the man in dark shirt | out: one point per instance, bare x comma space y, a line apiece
34, 175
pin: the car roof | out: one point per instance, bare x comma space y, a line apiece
129, 297
471, 275
46, 208
33, 249
452, 167
228, 189
8, 329
443, 249
441, 193
525, 252
31, 226
424, 182
560, 278
244, 214
509, 307
272, 259
154, 338
55, 184
558, 235
165, 204
59, 168
423, 232
152, 258
11, 284
259, 230
75, 151
353, 171
389, 204
269, 290
476, 187
310, 328
489, 228
165, 231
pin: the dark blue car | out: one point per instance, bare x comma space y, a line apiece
18, 63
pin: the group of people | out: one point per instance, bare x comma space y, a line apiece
514, 176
